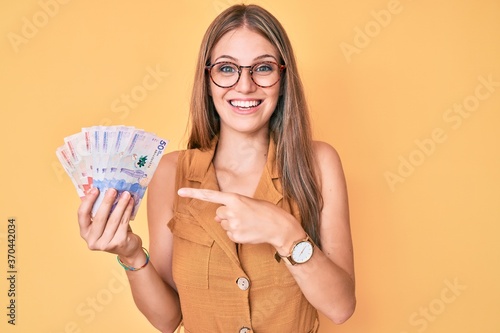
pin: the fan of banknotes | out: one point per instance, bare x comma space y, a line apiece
119, 157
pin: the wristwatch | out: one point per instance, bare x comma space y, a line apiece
301, 251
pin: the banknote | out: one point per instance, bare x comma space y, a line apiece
120, 157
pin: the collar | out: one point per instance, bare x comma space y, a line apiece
205, 157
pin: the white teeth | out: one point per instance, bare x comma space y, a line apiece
244, 104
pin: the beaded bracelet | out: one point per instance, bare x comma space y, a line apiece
130, 268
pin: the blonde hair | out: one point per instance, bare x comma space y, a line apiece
289, 125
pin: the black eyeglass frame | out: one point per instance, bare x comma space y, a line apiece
250, 68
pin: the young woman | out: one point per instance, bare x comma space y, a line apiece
249, 227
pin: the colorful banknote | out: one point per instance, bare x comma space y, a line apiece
119, 157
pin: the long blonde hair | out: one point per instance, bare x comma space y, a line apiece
289, 124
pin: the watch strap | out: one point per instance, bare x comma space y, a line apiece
287, 259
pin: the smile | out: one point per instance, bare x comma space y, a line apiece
245, 104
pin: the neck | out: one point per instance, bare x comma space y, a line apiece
241, 153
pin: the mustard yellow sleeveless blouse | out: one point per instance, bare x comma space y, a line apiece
223, 289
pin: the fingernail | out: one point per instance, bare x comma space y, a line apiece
125, 195
93, 190
182, 191
111, 191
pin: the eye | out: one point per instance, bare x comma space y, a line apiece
226, 68
264, 67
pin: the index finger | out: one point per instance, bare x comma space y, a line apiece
205, 195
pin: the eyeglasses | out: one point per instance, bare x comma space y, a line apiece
226, 74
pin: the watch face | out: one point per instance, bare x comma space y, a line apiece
302, 252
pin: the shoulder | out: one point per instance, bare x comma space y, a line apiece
168, 164
164, 176
169, 161
326, 156
330, 171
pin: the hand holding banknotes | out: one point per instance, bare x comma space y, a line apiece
111, 167
110, 231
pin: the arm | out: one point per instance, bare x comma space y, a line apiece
152, 287
327, 279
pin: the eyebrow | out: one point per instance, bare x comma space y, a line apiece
258, 58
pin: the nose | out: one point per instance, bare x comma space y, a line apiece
245, 84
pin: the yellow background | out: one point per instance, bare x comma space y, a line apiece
427, 244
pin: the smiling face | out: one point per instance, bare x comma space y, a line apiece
244, 107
